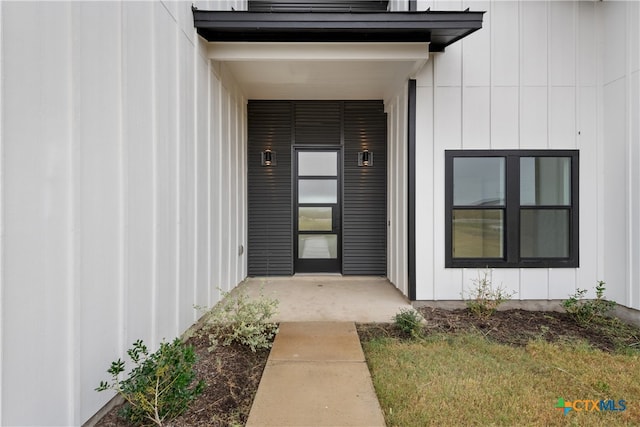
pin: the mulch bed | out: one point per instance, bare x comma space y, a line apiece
515, 327
232, 373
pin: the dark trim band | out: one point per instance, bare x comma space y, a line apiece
439, 28
411, 188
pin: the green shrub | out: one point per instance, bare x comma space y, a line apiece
409, 322
483, 299
161, 385
586, 311
239, 319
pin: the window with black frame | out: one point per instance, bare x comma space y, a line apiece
511, 208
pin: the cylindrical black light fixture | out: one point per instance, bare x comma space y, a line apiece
268, 158
365, 158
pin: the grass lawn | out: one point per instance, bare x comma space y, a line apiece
467, 379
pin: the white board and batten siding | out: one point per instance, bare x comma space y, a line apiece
397, 214
619, 152
530, 80
123, 192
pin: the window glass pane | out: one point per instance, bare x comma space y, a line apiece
545, 181
478, 233
544, 233
478, 181
317, 246
317, 191
314, 219
317, 163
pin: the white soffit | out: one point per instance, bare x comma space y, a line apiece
320, 70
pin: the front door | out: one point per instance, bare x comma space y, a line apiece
317, 210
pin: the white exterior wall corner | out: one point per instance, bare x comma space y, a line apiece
397, 214
113, 139
530, 79
620, 94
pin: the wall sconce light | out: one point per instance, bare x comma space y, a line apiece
365, 158
269, 158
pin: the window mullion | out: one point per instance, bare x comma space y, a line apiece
512, 236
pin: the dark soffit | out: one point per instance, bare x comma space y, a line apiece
439, 28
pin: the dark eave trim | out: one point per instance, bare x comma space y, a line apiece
439, 28
411, 190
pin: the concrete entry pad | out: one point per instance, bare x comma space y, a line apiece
330, 297
302, 385
317, 341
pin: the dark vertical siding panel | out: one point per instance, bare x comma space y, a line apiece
317, 122
270, 230
365, 189
318, 5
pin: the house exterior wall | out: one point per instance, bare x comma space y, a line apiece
533, 78
123, 172
122, 191
619, 149
397, 187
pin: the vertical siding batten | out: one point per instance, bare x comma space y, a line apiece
122, 190
391, 271
178, 179
635, 70
631, 255
2, 202
73, 329
197, 171
154, 185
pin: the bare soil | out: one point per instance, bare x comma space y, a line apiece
518, 327
232, 373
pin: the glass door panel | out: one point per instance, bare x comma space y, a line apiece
318, 191
319, 163
317, 246
315, 218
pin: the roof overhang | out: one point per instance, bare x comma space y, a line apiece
327, 55
438, 28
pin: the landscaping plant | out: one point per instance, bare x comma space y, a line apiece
409, 322
238, 319
160, 386
483, 299
586, 311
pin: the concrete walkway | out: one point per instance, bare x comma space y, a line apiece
316, 375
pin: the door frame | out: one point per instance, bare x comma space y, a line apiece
318, 265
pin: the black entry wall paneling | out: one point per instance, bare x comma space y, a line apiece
354, 124
317, 122
270, 239
318, 5
365, 190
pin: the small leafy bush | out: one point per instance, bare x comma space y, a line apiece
409, 322
483, 299
161, 385
239, 319
586, 311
